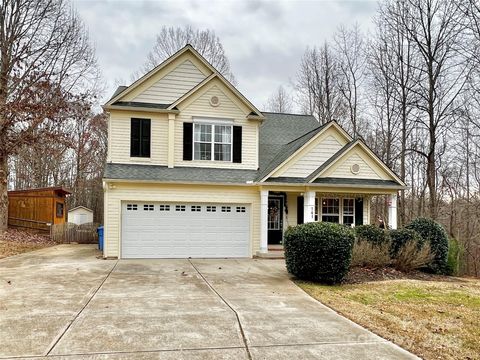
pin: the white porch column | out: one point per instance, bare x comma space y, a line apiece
392, 211
309, 206
263, 221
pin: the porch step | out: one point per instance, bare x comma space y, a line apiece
276, 254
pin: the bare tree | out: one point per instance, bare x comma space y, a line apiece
171, 39
280, 101
318, 84
45, 57
350, 49
437, 29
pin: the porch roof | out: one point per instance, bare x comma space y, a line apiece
340, 182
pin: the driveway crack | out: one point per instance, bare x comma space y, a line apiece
56, 341
242, 332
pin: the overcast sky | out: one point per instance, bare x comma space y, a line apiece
264, 40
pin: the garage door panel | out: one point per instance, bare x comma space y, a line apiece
169, 230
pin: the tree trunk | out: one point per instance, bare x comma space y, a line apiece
3, 194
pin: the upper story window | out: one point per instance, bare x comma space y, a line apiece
140, 137
212, 142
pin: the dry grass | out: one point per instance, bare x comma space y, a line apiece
433, 319
410, 257
365, 253
15, 241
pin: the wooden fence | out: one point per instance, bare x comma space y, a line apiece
70, 232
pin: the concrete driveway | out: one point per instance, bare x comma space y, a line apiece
64, 302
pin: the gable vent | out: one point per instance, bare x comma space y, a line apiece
355, 169
214, 101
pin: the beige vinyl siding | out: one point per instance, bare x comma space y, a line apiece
228, 110
173, 85
312, 155
314, 158
367, 169
119, 138
175, 193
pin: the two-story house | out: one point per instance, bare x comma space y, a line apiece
194, 169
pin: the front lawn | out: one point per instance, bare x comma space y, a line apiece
16, 241
434, 317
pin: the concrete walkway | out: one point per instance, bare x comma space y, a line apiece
64, 302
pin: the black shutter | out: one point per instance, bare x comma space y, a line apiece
187, 141
145, 142
135, 137
300, 210
358, 211
237, 144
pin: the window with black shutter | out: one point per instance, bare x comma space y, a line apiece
140, 138
237, 144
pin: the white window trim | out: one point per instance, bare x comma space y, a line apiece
212, 142
340, 208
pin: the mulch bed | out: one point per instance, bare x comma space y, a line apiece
358, 275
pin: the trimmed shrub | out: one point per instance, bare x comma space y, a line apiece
319, 252
372, 234
454, 257
369, 254
433, 233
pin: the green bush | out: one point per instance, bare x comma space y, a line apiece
454, 257
372, 234
401, 237
319, 252
433, 233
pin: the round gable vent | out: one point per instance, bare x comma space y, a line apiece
214, 101
355, 169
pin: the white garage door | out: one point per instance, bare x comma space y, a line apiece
180, 230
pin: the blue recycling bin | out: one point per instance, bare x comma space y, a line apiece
100, 238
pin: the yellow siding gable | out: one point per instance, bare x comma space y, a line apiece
170, 82
368, 167
230, 108
173, 85
313, 155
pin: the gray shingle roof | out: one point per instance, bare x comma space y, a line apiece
349, 181
141, 104
177, 174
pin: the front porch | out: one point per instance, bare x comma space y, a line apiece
282, 208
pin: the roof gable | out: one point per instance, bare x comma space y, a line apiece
318, 151
228, 104
182, 64
341, 165
299, 147
187, 62
173, 85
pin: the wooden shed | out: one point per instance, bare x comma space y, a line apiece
37, 208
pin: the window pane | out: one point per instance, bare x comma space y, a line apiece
223, 134
331, 206
203, 133
202, 151
348, 207
223, 152
330, 218
348, 220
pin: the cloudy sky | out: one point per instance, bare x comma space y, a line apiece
264, 40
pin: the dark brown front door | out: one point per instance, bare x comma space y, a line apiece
275, 219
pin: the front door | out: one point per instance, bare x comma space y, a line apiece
275, 219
